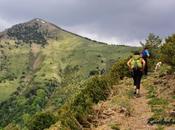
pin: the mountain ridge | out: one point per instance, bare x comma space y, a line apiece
43, 25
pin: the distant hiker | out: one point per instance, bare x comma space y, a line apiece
145, 54
136, 65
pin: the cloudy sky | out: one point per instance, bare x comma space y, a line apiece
113, 21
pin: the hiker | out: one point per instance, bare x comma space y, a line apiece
136, 65
145, 54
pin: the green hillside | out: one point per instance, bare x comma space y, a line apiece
43, 66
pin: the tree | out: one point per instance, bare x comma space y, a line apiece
168, 51
152, 41
153, 44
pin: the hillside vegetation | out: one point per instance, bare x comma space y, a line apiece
51, 79
43, 67
108, 103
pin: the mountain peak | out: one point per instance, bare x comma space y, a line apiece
36, 30
38, 20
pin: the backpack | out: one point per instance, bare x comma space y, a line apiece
136, 62
144, 54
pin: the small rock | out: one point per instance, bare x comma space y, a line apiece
157, 82
123, 110
172, 113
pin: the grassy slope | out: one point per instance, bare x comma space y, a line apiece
68, 50
14, 62
65, 61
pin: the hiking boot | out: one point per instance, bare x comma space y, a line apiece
138, 95
135, 92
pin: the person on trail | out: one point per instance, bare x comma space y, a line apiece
136, 65
145, 54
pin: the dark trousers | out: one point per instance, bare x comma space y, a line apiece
146, 66
137, 75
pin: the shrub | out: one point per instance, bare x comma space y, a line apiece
115, 127
119, 70
99, 88
41, 121
93, 72
73, 115
167, 51
12, 126
96, 89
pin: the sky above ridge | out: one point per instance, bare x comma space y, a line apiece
113, 21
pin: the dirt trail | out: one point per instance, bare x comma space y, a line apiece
139, 116
136, 120
123, 111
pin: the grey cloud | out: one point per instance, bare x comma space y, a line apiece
123, 21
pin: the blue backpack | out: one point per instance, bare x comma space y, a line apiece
144, 54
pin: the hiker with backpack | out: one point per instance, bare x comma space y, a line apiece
145, 54
136, 65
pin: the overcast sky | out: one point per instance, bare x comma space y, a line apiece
113, 21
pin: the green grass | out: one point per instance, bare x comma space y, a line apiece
151, 92
173, 97
159, 106
114, 126
160, 127
7, 88
158, 101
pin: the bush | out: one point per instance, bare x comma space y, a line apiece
167, 51
12, 126
115, 127
73, 115
119, 70
93, 72
96, 89
41, 121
